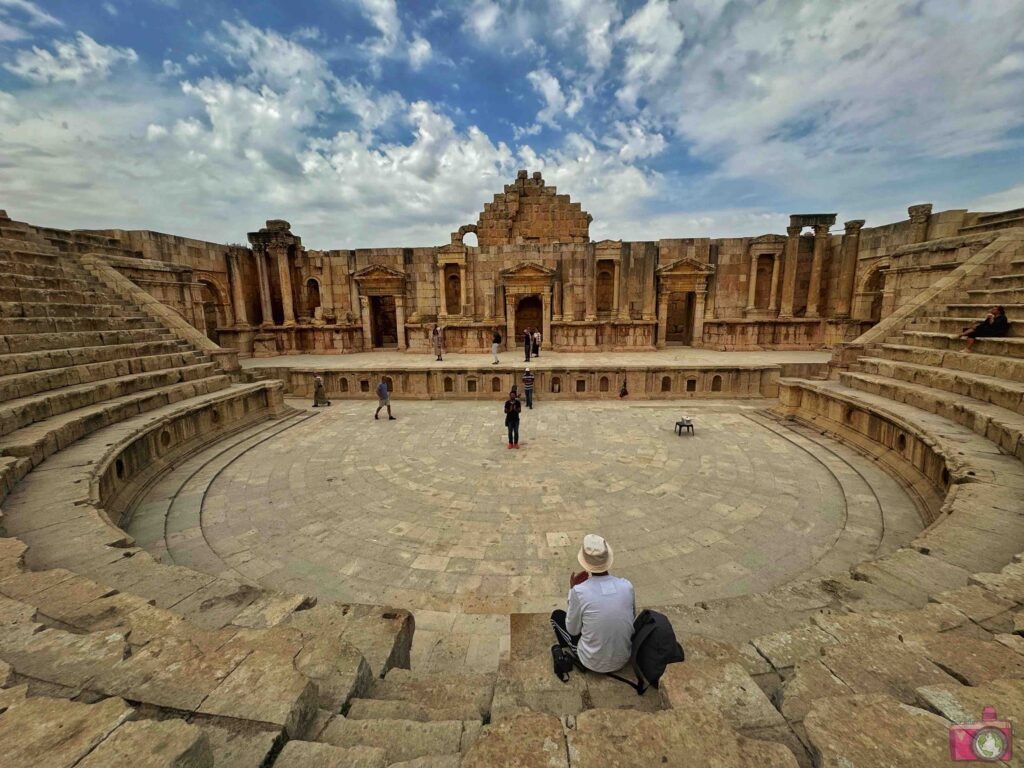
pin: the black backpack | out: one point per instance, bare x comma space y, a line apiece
654, 648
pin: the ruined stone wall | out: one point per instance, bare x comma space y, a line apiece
529, 211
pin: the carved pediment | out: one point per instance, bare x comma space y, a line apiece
685, 266
527, 271
376, 272
769, 240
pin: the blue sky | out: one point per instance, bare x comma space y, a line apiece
376, 123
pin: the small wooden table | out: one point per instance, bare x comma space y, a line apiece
684, 424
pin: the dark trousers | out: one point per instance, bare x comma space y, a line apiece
513, 431
529, 397
536, 349
527, 348
562, 635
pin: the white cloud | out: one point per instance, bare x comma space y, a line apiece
634, 142
172, 68
1003, 200
555, 103
482, 17
110, 8
71, 62
652, 38
419, 51
18, 16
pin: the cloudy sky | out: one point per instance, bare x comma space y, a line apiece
377, 123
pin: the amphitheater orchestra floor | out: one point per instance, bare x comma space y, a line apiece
434, 513
672, 356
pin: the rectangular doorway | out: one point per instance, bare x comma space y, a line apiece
680, 318
383, 322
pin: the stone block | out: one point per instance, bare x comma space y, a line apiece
524, 739
725, 687
153, 744
305, 754
883, 666
400, 739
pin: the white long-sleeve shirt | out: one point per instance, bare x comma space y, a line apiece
601, 611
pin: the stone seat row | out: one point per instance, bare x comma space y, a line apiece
38, 360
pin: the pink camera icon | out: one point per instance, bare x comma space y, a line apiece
988, 741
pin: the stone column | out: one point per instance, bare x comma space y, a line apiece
773, 302
590, 288
919, 216
821, 239
848, 267
752, 283
462, 289
510, 320
327, 287
789, 272
364, 315
648, 294
285, 278
698, 316
545, 301
400, 321
663, 317
568, 307
558, 301
442, 297
265, 305
237, 294
615, 291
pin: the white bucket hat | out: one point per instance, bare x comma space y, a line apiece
596, 554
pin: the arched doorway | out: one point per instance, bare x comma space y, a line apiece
605, 286
529, 314
873, 289
452, 289
312, 296
211, 310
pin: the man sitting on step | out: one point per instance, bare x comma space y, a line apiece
598, 626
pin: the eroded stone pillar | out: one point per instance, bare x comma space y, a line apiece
848, 268
237, 293
590, 289
698, 318
789, 271
285, 278
400, 321
648, 295
364, 315
615, 292
442, 297
545, 301
462, 289
558, 301
663, 317
773, 302
752, 283
919, 216
821, 239
265, 306
510, 321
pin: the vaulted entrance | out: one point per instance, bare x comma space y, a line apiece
529, 314
383, 322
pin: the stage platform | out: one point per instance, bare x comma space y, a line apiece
682, 372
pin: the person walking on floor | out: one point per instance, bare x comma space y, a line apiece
438, 339
527, 344
495, 343
319, 392
597, 628
536, 343
528, 380
512, 410
383, 400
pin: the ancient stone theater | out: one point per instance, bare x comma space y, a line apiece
214, 552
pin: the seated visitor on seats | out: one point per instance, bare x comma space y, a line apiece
995, 325
597, 628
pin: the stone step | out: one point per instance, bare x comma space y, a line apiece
1000, 296
384, 709
35, 325
58, 294
19, 309
954, 325
438, 690
1007, 281
1005, 347
39, 441
993, 422
976, 386
40, 265
401, 740
988, 365
978, 311
44, 360
21, 343
21, 412
83, 282
22, 385
1008, 222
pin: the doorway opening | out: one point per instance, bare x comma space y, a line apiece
679, 328
383, 322
529, 314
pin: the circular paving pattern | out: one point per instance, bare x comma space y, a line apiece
432, 511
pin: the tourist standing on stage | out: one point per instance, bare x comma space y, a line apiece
536, 343
438, 339
528, 380
495, 343
527, 344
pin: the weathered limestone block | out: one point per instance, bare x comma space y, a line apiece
883, 666
687, 735
524, 739
271, 609
784, 649
434, 761
972, 660
382, 709
963, 704
875, 731
725, 687
265, 689
438, 690
974, 602
239, 745
12, 557
56, 656
55, 732
528, 682
400, 739
811, 680
305, 754
153, 744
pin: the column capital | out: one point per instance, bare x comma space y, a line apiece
794, 231
853, 225
821, 230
